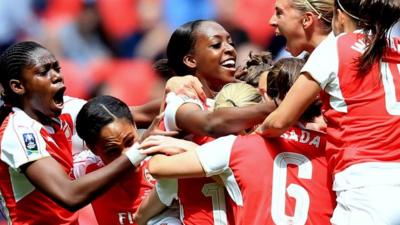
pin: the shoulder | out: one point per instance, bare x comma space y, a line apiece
22, 140
73, 105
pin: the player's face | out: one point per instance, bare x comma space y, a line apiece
287, 22
214, 55
42, 86
114, 138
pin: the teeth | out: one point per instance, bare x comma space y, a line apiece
229, 62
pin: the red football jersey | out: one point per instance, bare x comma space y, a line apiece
25, 140
120, 202
202, 200
273, 181
362, 110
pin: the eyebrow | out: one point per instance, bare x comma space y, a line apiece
130, 137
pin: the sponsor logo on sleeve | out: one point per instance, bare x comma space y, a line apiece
30, 143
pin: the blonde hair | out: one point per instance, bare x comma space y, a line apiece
322, 8
237, 95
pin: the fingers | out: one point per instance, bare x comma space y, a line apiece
165, 133
151, 150
198, 88
260, 130
156, 121
187, 85
153, 140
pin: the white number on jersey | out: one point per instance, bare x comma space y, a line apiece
216, 192
388, 74
295, 191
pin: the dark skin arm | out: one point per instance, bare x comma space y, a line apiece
144, 114
192, 119
48, 176
186, 85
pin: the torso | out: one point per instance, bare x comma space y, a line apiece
24, 140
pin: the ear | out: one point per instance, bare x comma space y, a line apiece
308, 19
17, 87
190, 61
341, 17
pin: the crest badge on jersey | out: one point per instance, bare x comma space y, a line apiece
30, 143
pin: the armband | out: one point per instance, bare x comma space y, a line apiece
134, 155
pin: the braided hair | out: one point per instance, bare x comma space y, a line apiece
12, 62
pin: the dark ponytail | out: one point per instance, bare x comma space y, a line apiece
376, 18
180, 44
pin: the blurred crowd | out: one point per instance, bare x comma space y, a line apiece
109, 46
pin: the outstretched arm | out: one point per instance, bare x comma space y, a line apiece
300, 96
48, 176
224, 121
144, 114
182, 165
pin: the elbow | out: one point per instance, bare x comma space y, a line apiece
216, 127
71, 204
73, 201
274, 127
281, 125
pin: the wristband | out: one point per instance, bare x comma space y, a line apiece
134, 155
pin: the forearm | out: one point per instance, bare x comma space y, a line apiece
82, 191
303, 92
144, 114
184, 165
149, 207
48, 176
273, 126
233, 120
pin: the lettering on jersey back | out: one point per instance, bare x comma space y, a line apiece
125, 218
359, 46
304, 137
394, 44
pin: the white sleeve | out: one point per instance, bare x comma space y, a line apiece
323, 62
82, 160
167, 190
72, 106
22, 144
173, 103
214, 156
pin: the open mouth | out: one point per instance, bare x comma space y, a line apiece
58, 97
230, 64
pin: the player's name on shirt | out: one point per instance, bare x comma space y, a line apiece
393, 44
126, 218
303, 136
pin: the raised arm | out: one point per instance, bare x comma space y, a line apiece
181, 165
300, 96
48, 176
144, 114
190, 118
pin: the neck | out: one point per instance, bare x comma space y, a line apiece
349, 26
207, 89
38, 116
315, 40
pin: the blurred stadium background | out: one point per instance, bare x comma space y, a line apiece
108, 46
